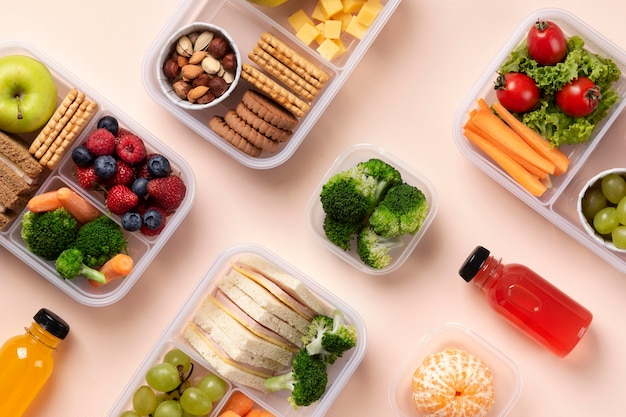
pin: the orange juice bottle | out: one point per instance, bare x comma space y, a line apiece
26, 362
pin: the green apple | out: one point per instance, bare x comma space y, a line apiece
28, 94
268, 3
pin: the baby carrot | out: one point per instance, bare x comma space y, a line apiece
78, 207
119, 266
239, 403
255, 412
47, 201
229, 413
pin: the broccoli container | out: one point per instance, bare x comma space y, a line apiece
198, 325
386, 232
142, 248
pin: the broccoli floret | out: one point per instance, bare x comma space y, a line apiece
307, 380
70, 264
329, 337
99, 240
351, 195
402, 211
50, 233
340, 233
373, 249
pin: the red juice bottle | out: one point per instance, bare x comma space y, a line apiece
528, 301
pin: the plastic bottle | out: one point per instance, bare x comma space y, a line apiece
528, 301
26, 362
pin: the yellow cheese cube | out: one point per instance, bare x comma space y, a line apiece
345, 19
330, 7
356, 29
317, 13
331, 48
368, 12
299, 19
307, 33
320, 28
352, 6
332, 29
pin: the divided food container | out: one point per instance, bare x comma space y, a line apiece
339, 372
604, 149
507, 378
142, 249
245, 22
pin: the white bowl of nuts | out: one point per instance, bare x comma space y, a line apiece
199, 66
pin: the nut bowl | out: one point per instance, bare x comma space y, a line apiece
199, 66
594, 185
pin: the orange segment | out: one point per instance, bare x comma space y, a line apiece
452, 383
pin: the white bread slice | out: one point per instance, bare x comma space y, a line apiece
238, 341
224, 366
290, 284
256, 311
268, 301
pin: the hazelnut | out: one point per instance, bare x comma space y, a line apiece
171, 69
202, 79
218, 86
181, 89
229, 62
206, 98
218, 47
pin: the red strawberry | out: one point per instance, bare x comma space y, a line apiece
124, 175
167, 192
121, 199
86, 177
131, 149
101, 142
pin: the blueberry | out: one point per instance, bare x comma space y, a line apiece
140, 187
131, 221
158, 166
152, 219
105, 166
81, 156
109, 123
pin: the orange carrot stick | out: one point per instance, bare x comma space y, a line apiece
119, 266
78, 206
229, 413
486, 121
515, 170
535, 140
41, 203
255, 412
239, 403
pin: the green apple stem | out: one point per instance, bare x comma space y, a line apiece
19, 107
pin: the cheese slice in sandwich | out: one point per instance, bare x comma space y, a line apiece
290, 284
223, 365
239, 343
254, 309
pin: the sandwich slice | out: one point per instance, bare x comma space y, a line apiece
15, 154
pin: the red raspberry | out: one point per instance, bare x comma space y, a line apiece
167, 192
131, 149
124, 175
123, 132
86, 177
121, 199
142, 170
101, 142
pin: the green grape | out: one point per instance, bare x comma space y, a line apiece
178, 357
129, 414
163, 377
613, 187
618, 236
169, 408
144, 400
593, 201
605, 220
214, 386
621, 211
196, 401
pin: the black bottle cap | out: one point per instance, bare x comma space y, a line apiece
52, 323
473, 263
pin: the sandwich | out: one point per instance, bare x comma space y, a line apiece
251, 325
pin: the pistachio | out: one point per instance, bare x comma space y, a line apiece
184, 46
197, 92
197, 57
203, 40
210, 65
229, 77
189, 71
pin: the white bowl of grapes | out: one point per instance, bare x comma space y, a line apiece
602, 208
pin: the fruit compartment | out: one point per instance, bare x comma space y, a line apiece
245, 23
507, 378
558, 204
338, 373
143, 249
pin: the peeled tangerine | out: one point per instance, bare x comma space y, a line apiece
452, 383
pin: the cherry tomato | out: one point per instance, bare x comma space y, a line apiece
578, 98
546, 43
517, 92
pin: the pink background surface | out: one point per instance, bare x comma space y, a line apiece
402, 96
